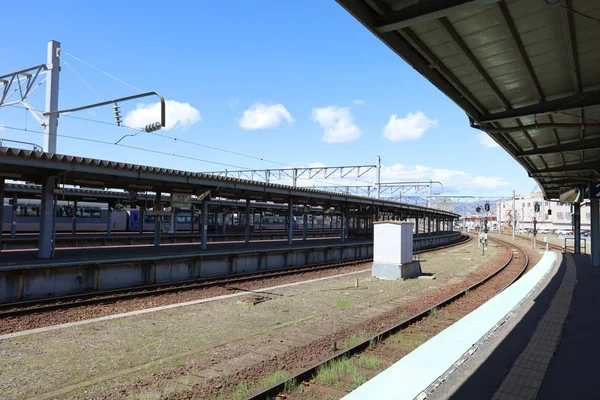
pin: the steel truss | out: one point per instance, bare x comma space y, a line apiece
269, 175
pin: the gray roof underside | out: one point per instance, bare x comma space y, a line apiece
33, 166
526, 72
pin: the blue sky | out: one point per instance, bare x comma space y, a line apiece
298, 83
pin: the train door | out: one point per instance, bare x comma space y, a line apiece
134, 221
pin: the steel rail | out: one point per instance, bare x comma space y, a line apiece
309, 373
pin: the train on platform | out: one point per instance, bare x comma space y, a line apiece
94, 217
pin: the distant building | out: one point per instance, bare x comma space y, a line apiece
524, 213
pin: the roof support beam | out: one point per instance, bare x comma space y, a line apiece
465, 49
516, 38
588, 166
563, 148
440, 66
571, 102
425, 11
571, 40
367, 16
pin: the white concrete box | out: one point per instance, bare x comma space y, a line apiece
393, 251
393, 242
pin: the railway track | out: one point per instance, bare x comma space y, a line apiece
23, 308
306, 377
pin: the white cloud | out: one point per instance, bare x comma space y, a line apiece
359, 102
263, 116
486, 141
177, 115
408, 128
452, 180
337, 123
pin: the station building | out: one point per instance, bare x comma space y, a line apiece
553, 215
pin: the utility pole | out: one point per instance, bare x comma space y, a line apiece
51, 120
513, 217
378, 177
429, 200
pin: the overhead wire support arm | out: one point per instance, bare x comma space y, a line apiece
104, 103
29, 75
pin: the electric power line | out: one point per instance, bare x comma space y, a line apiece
105, 73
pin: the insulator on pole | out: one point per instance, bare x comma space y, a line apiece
117, 113
152, 127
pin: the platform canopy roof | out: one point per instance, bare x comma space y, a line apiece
527, 72
32, 166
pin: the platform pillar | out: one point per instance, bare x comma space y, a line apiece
1, 209
343, 223
204, 225
13, 219
260, 222
142, 211
74, 226
192, 211
46, 219
290, 226
417, 224
157, 217
108, 220
577, 227
247, 222
595, 228
304, 224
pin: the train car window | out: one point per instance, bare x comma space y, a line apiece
149, 219
79, 212
96, 212
21, 210
87, 212
33, 211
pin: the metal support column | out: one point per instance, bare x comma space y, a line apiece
46, 219
417, 223
142, 212
247, 222
109, 220
1, 209
437, 224
192, 211
204, 224
260, 221
577, 226
51, 123
290, 226
74, 226
344, 219
225, 218
304, 224
312, 223
157, 217
13, 219
595, 234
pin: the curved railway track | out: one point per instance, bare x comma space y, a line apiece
22, 308
308, 374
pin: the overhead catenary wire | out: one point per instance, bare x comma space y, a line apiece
129, 147
103, 72
81, 79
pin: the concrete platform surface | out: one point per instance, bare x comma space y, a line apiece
99, 255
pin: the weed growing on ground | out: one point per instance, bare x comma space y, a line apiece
468, 292
291, 386
274, 378
434, 311
344, 303
354, 340
242, 391
330, 373
369, 361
